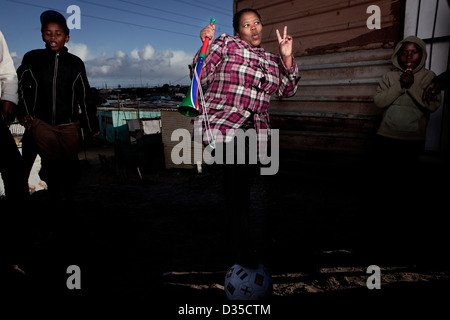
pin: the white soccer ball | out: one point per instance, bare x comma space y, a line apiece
242, 283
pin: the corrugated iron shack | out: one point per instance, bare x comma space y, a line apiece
341, 56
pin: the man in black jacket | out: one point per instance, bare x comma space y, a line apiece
54, 98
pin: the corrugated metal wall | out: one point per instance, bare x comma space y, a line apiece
340, 61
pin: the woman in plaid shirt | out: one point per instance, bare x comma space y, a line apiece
239, 76
238, 79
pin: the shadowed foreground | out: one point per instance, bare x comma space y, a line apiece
163, 240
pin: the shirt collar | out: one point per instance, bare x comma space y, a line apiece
258, 50
63, 49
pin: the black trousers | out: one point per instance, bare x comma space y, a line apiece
246, 208
13, 206
11, 165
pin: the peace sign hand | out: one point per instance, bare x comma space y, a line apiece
285, 43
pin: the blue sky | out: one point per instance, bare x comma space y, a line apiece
122, 42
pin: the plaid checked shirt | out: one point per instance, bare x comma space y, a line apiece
238, 82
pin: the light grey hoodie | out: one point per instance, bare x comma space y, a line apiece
8, 76
406, 114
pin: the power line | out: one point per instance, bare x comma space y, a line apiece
106, 19
137, 13
179, 79
206, 8
208, 4
169, 12
141, 26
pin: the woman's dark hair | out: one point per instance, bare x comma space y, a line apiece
237, 18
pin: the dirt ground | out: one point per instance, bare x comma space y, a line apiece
162, 237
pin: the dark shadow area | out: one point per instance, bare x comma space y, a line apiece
163, 240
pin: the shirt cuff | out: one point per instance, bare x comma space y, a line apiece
292, 72
10, 97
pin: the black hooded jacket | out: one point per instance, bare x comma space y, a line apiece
53, 87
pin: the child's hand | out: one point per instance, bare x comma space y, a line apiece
26, 121
407, 79
7, 111
431, 91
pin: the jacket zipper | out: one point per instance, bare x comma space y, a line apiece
55, 72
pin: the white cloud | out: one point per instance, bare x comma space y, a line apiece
120, 54
79, 49
148, 53
140, 65
135, 54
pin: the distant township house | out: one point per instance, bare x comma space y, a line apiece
342, 54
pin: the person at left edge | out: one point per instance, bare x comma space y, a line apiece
11, 168
12, 229
54, 99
